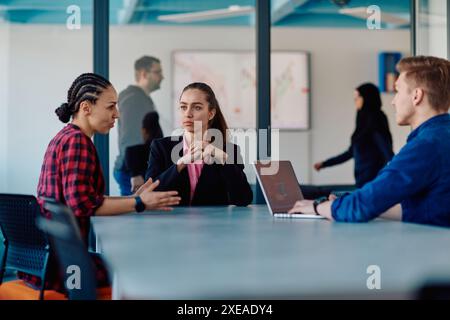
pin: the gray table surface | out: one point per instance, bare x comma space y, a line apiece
231, 252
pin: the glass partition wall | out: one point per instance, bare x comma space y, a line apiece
193, 41
343, 41
44, 46
432, 28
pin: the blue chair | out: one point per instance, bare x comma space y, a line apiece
26, 248
63, 232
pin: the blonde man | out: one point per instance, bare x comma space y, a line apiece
415, 185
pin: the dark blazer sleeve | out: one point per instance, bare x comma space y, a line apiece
384, 146
136, 160
160, 165
238, 188
347, 155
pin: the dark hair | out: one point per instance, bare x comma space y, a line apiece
87, 86
371, 95
151, 124
370, 117
144, 63
218, 122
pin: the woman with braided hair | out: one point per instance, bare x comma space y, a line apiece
71, 172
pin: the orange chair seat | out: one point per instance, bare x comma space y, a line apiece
19, 290
104, 293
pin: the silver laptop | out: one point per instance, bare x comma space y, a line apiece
280, 188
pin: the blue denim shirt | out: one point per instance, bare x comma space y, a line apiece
418, 177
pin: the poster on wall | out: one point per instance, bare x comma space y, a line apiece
232, 76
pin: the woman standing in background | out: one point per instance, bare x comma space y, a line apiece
371, 142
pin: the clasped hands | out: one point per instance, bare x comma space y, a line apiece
203, 150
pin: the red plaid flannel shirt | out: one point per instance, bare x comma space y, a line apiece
71, 174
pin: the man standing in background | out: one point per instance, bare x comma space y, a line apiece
134, 103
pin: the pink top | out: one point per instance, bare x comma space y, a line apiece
194, 169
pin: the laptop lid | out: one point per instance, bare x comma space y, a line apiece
280, 187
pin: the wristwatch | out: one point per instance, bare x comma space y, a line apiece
317, 202
139, 206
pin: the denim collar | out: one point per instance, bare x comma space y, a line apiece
430, 122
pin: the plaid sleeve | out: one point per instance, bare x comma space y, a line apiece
80, 169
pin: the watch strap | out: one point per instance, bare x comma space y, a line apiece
139, 206
317, 202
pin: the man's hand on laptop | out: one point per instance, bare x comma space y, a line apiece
307, 207
303, 206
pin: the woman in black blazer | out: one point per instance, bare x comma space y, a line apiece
201, 164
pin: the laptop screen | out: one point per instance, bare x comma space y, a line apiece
281, 189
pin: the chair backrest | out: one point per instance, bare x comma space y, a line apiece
26, 247
75, 264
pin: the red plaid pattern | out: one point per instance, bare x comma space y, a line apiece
71, 174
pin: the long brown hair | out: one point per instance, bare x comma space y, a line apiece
218, 122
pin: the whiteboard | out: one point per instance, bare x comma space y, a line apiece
232, 76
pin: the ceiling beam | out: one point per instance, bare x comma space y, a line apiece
232, 11
125, 14
283, 8
43, 4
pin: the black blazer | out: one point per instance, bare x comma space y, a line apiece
217, 185
136, 158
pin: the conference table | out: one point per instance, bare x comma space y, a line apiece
246, 253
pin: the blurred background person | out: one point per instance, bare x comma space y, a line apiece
371, 141
134, 103
136, 157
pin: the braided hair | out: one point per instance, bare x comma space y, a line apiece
87, 86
